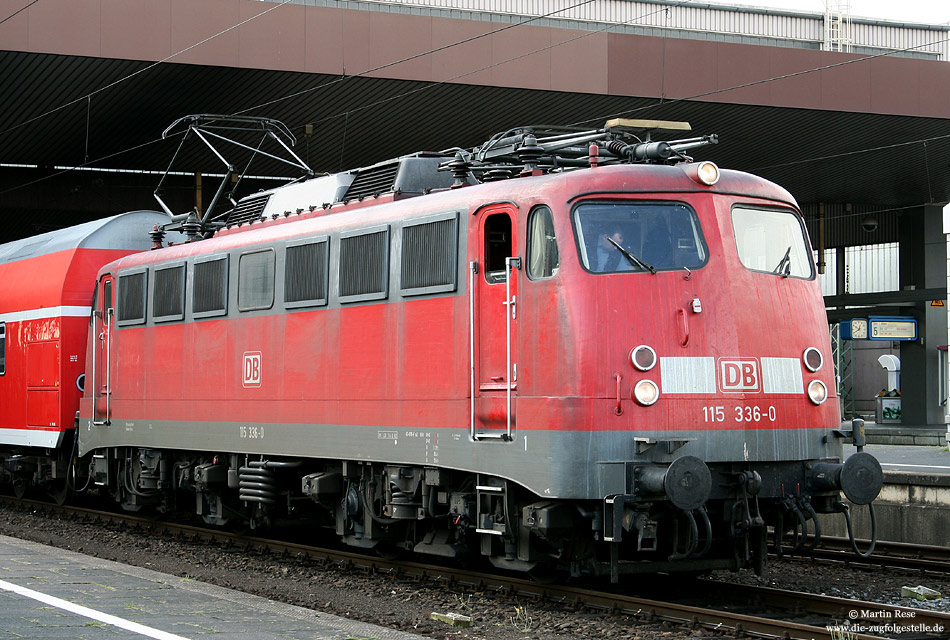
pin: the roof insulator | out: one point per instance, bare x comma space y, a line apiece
529, 153
493, 175
460, 168
157, 235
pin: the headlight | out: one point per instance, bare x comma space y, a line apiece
817, 391
646, 392
813, 359
708, 173
643, 357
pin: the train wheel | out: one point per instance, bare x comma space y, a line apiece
389, 551
544, 573
59, 491
19, 487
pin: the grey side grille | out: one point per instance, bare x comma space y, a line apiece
305, 276
364, 266
132, 297
373, 181
248, 210
169, 295
429, 257
211, 282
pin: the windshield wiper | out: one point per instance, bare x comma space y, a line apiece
635, 261
784, 265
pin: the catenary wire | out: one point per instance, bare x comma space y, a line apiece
414, 57
18, 11
705, 94
140, 71
433, 85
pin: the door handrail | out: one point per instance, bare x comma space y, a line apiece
473, 271
511, 263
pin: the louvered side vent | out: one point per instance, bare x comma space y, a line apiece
372, 181
305, 274
210, 295
429, 256
248, 210
364, 265
168, 297
132, 298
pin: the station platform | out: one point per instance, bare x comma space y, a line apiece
48, 593
909, 459
893, 434
914, 503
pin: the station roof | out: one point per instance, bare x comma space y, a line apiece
94, 83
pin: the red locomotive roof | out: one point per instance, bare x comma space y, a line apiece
659, 179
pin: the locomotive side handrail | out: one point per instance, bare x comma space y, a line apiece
511, 313
511, 263
473, 273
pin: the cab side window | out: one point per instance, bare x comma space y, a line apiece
543, 257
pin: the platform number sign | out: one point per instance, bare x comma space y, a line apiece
252, 369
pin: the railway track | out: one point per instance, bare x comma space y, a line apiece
738, 610
925, 559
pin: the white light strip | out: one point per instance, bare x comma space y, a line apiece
145, 172
47, 312
86, 612
152, 172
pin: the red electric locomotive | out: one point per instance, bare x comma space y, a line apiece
563, 349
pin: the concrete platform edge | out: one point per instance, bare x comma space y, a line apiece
355, 628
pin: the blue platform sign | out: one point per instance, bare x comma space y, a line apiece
879, 328
892, 328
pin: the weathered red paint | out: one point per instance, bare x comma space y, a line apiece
405, 363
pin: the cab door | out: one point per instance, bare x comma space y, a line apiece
494, 302
103, 325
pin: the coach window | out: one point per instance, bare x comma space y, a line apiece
772, 241
3, 348
210, 295
256, 280
543, 258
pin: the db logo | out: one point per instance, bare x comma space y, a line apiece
738, 375
252, 368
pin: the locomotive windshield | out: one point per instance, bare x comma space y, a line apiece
638, 236
772, 241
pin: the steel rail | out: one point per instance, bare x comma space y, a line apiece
839, 609
892, 555
649, 610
